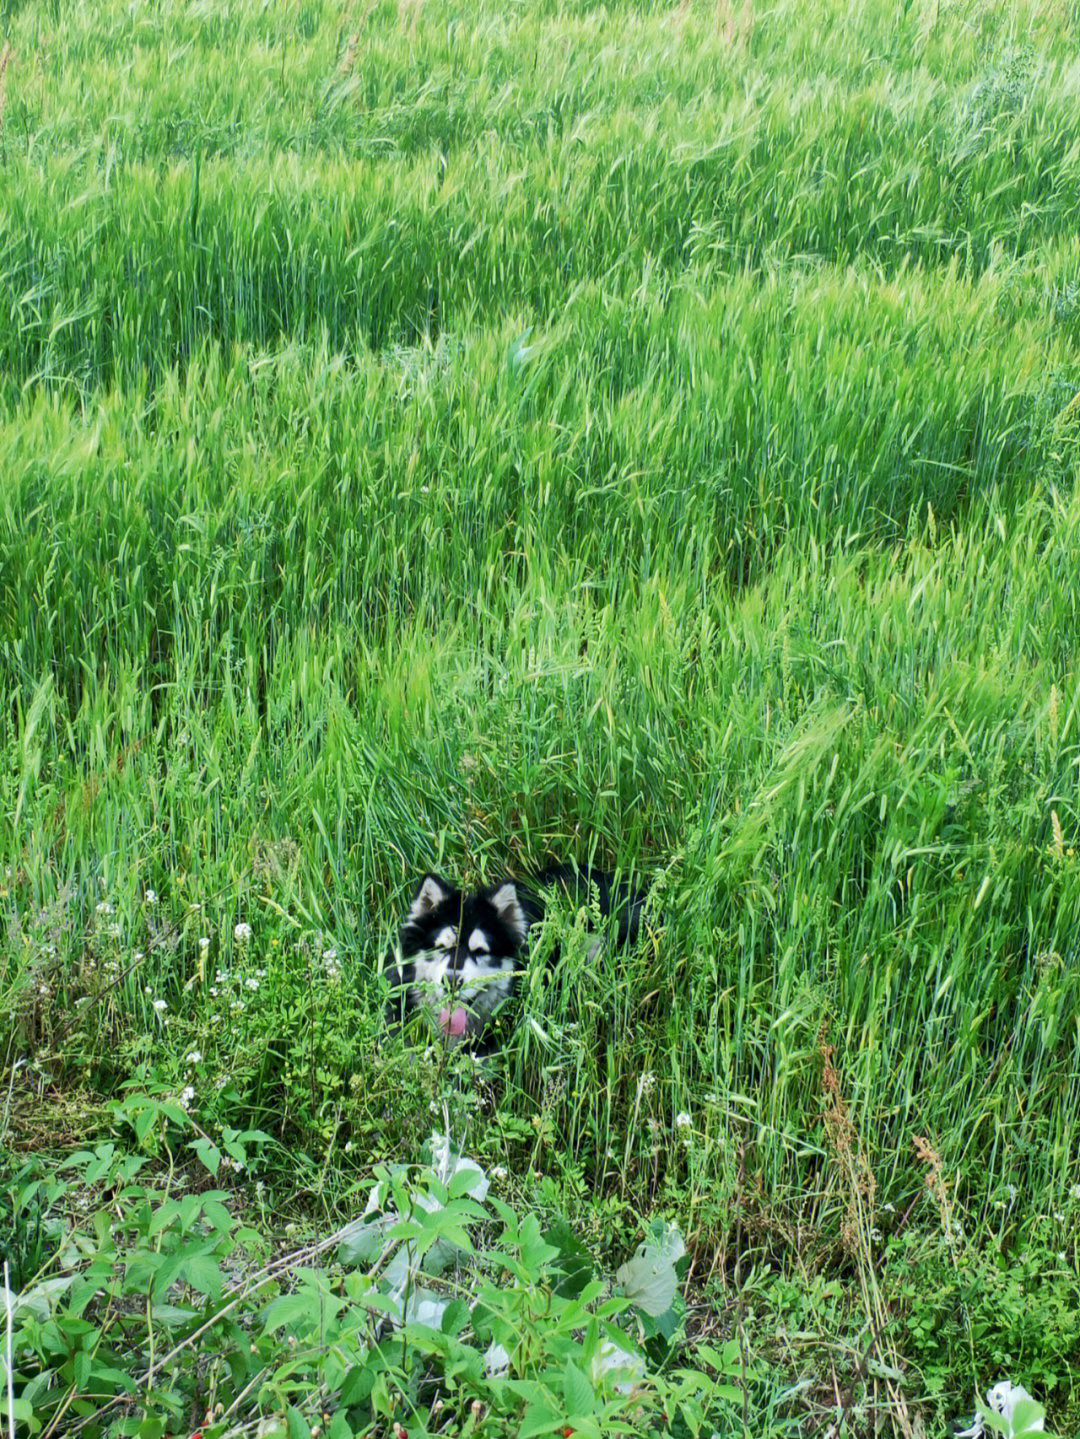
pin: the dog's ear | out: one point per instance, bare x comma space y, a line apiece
432, 892
504, 901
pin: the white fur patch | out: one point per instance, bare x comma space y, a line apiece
506, 905
479, 940
446, 937
428, 897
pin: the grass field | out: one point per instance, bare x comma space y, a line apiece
442, 437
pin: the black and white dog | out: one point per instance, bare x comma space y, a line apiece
459, 954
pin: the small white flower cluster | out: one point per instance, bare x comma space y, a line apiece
150, 897
187, 1094
104, 907
330, 964
242, 933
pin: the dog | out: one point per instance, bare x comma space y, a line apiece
459, 954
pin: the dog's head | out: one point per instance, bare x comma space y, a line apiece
459, 954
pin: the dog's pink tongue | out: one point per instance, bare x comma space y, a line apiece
453, 1022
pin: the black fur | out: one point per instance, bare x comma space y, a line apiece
462, 988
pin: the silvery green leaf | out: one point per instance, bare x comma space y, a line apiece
40, 1301
649, 1281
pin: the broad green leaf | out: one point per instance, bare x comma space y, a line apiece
290, 1309
209, 1153
539, 1419
298, 1426
204, 1275
649, 1282
357, 1384
580, 1396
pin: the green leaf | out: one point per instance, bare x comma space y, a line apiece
84, 1363
172, 1314
649, 1282
298, 1426
290, 1309
580, 1396
362, 1241
144, 1122
455, 1317
539, 1419
204, 1275
1025, 1416
209, 1153
357, 1384
23, 1411
573, 1260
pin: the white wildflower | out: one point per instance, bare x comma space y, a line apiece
150, 897
1074, 1192
496, 1361
104, 907
204, 943
1063, 1258
499, 1172
187, 1094
195, 1057
242, 933
683, 1121
160, 1005
252, 984
329, 955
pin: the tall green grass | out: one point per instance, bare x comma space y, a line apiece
556, 431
